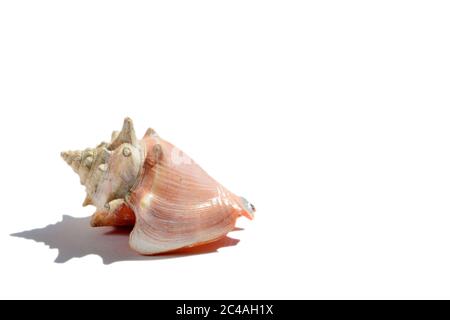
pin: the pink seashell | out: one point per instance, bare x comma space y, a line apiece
152, 185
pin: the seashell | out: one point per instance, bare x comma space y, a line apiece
150, 184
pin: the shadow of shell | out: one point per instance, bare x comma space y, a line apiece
74, 238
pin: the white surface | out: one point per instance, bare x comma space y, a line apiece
332, 117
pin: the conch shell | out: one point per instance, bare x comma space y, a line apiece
153, 186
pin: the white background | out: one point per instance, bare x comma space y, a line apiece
332, 117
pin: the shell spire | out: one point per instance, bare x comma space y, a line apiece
73, 159
80, 161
